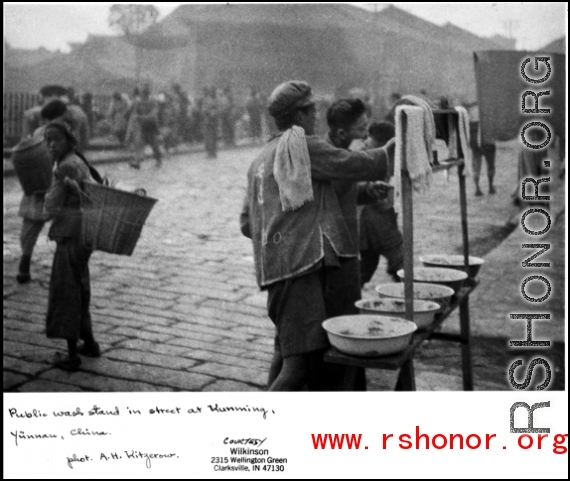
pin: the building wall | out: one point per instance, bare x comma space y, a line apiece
332, 60
264, 56
408, 66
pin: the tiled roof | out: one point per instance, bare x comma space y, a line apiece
314, 15
319, 16
556, 46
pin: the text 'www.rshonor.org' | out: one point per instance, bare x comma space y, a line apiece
420, 440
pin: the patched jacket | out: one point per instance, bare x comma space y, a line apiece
287, 244
61, 204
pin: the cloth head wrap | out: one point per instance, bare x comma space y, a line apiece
66, 127
288, 97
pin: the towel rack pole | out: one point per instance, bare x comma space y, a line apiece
408, 225
406, 377
464, 322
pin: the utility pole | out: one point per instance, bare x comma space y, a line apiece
511, 26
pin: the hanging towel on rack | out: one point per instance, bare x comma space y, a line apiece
415, 137
428, 115
429, 132
463, 127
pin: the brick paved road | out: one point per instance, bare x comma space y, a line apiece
184, 312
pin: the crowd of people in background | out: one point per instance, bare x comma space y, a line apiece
169, 119
164, 119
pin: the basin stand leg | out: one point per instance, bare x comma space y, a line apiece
354, 379
466, 363
406, 378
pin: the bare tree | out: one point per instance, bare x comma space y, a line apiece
133, 20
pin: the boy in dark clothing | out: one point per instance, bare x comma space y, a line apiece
347, 120
379, 234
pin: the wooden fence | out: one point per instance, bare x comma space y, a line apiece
15, 104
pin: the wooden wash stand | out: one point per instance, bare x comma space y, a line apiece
404, 361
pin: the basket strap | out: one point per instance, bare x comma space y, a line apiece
83, 195
92, 170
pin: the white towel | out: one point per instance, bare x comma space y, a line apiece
428, 115
292, 169
418, 137
463, 127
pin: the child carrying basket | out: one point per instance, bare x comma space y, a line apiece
68, 315
86, 216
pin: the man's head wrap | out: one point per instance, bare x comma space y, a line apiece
288, 97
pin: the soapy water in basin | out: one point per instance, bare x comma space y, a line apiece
396, 306
421, 290
370, 326
435, 274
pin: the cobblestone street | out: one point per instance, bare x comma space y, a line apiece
184, 312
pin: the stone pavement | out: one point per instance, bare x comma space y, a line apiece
184, 312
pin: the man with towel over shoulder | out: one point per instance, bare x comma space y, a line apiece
292, 215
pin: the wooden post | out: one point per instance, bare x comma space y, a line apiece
408, 228
466, 363
463, 206
406, 378
462, 197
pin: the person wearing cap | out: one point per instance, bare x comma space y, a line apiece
292, 215
32, 118
31, 206
68, 314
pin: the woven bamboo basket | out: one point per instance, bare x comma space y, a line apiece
112, 219
33, 165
